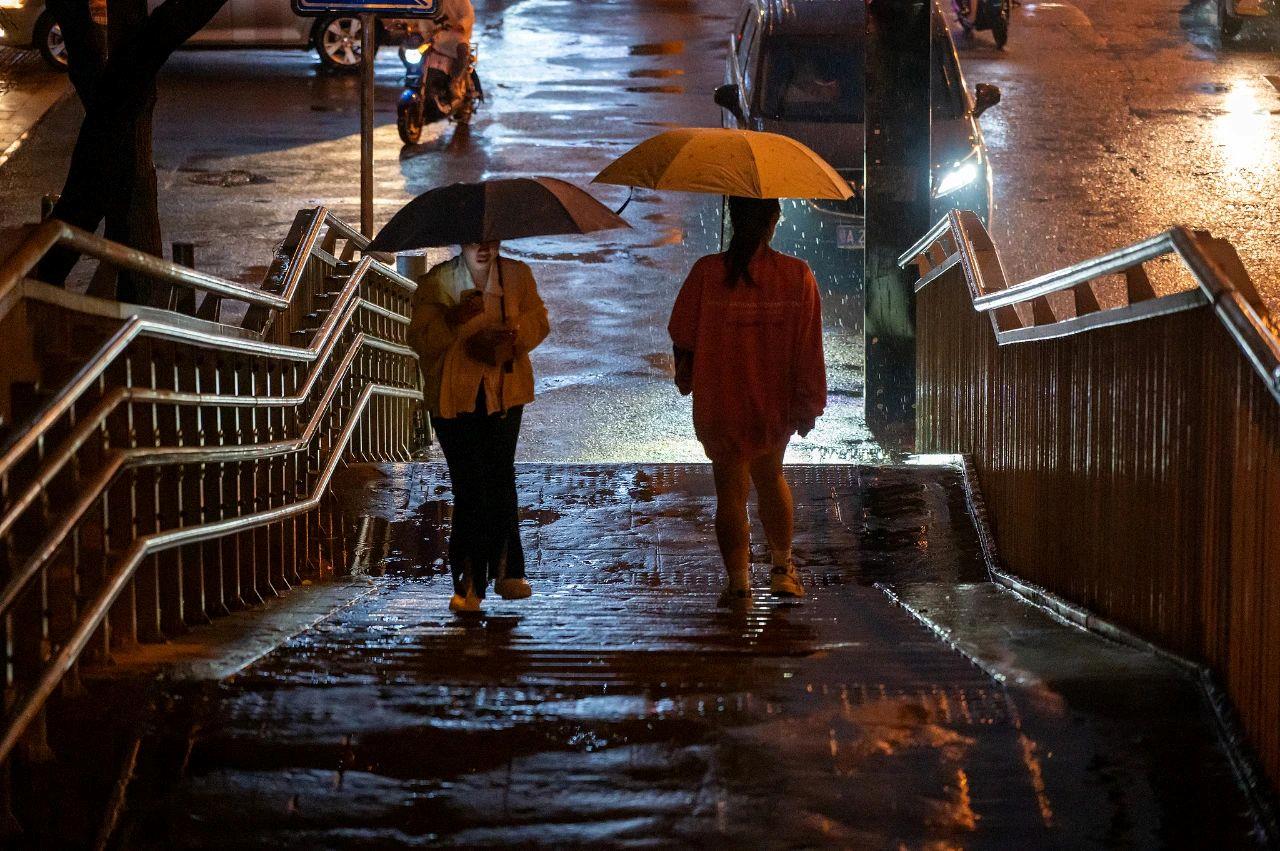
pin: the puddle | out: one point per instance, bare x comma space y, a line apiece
661, 90
657, 48
662, 362
227, 179
659, 73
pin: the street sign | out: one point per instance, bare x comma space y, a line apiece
382, 8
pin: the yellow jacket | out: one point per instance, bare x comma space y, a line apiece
452, 379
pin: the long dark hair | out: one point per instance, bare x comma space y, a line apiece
753, 221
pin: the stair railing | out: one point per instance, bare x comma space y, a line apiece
182, 471
1127, 443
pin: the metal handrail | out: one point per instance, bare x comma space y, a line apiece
319, 353
31, 703
52, 233
136, 327
1111, 263
149, 456
320, 350
95, 418
1252, 331
322, 218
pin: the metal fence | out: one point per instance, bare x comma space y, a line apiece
158, 469
1127, 444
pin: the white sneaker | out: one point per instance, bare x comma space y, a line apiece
513, 588
783, 581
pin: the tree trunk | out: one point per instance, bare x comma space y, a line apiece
132, 208
112, 174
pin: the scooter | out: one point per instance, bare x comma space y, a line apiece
429, 91
985, 15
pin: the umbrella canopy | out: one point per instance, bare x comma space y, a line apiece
494, 210
727, 162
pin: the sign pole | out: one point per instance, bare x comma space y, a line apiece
368, 46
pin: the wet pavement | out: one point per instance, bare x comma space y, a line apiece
907, 702
1118, 120
1121, 119
904, 703
570, 87
28, 88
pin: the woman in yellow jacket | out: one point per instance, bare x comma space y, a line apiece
475, 320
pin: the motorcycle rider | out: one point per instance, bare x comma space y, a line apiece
451, 34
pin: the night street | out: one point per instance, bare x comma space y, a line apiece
246, 603
1106, 142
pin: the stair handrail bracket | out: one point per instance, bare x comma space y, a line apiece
187, 459
1146, 424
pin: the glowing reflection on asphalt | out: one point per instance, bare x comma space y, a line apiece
1242, 132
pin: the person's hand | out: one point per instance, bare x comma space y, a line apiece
683, 371
491, 346
803, 427
470, 305
504, 347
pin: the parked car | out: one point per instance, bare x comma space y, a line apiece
796, 68
240, 23
1232, 13
27, 24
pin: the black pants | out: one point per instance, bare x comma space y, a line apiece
480, 450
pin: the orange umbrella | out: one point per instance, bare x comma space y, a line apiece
727, 162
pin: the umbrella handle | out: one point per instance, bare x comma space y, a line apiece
631, 190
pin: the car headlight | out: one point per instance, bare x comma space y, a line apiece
956, 179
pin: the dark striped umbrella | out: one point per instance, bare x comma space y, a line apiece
505, 209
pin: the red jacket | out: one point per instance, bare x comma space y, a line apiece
758, 369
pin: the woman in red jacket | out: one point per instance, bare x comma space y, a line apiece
747, 332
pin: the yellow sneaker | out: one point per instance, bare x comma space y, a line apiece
784, 582
513, 588
464, 605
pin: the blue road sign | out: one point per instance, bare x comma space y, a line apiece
385, 8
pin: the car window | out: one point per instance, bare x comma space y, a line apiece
811, 80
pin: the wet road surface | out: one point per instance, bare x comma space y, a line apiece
246, 138
1121, 119
619, 708
28, 87
1118, 120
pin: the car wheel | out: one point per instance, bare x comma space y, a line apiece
337, 42
47, 37
1228, 23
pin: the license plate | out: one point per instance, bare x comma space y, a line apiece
851, 237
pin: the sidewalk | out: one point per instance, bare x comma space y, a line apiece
619, 707
28, 88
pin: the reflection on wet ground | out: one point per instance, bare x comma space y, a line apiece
619, 707
1121, 119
